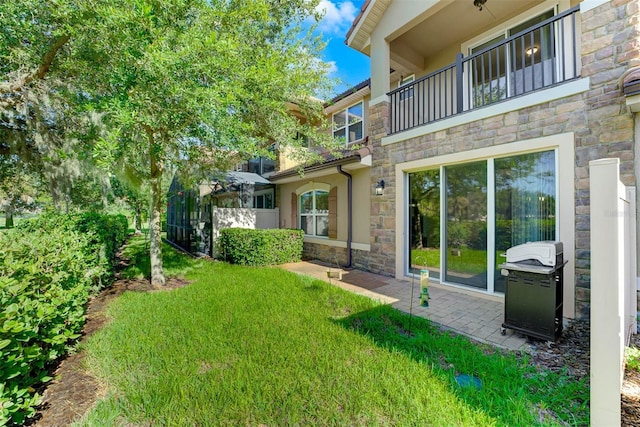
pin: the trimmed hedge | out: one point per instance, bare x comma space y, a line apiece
260, 247
48, 268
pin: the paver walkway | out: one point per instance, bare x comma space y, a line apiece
469, 313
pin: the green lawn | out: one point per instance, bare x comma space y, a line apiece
262, 346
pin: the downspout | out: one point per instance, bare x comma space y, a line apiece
349, 213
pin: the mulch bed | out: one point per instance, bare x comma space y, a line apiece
571, 352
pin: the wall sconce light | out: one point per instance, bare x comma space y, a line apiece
380, 188
532, 50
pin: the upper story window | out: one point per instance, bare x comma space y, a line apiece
348, 124
260, 165
314, 213
408, 92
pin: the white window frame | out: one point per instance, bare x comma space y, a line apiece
314, 212
268, 193
348, 122
408, 93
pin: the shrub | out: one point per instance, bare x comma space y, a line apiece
48, 268
104, 233
260, 247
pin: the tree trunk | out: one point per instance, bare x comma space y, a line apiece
8, 214
155, 254
137, 220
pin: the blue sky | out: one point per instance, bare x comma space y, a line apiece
348, 65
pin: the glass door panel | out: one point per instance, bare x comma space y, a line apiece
532, 56
424, 222
525, 203
466, 227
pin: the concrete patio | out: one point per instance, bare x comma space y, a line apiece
469, 313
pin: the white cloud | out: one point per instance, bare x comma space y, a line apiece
333, 67
337, 17
329, 67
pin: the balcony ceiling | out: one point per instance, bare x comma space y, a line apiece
457, 22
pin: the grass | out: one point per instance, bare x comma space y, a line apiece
262, 346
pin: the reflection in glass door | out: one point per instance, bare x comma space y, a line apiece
424, 222
466, 227
525, 202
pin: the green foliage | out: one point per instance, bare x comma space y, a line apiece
143, 87
260, 247
632, 357
48, 268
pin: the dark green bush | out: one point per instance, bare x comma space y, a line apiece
105, 234
48, 268
260, 247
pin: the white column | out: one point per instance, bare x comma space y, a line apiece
607, 291
380, 67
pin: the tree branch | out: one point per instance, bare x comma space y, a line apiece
41, 71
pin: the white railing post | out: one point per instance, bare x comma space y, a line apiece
607, 196
631, 287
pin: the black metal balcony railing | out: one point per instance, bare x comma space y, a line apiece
539, 57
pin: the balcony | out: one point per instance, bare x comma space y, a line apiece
541, 56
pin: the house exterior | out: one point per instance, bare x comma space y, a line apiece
484, 129
474, 134
330, 200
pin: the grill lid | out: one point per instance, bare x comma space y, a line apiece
547, 253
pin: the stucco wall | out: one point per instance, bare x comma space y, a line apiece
598, 118
362, 191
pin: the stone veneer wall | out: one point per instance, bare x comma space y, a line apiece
333, 255
326, 253
602, 124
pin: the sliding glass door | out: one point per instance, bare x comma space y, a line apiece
466, 227
424, 220
462, 217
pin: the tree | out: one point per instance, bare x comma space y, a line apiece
134, 196
41, 122
17, 188
183, 81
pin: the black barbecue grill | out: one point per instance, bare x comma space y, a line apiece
533, 294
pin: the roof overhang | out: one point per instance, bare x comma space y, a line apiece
349, 97
359, 35
232, 181
245, 178
360, 159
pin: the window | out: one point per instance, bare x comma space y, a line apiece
314, 213
348, 123
263, 199
408, 92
